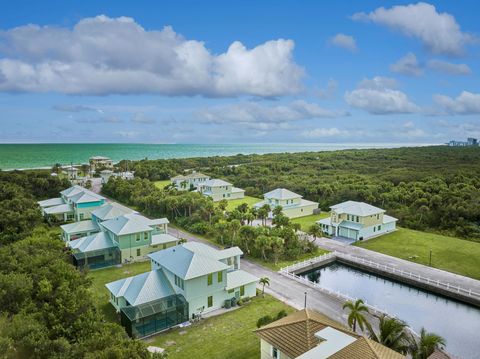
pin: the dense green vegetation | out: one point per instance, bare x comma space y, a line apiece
19, 193
230, 335
448, 253
46, 306
200, 215
434, 188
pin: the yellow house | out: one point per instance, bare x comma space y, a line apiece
293, 205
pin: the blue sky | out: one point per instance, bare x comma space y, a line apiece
249, 71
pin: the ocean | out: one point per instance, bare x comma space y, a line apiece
25, 156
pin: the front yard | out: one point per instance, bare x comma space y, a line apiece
449, 253
234, 203
307, 221
230, 335
162, 184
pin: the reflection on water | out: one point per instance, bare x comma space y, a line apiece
458, 323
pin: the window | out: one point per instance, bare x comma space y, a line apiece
179, 282
348, 217
220, 277
138, 252
145, 236
164, 246
229, 261
169, 302
378, 216
82, 216
379, 227
209, 279
242, 290
210, 301
358, 219
275, 353
137, 237
374, 228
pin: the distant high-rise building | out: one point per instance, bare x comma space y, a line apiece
470, 142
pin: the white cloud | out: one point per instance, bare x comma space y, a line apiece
328, 92
344, 41
439, 32
378, 96
449, 68
407, 65
324, 132
75, 108
466, 103
104, 119
140, 118
102, 55
260, 115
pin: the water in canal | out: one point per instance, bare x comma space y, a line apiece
458, 323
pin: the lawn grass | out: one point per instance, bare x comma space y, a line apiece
307, 221
234, 203
161, 184
230, 335
448, 253
100, 277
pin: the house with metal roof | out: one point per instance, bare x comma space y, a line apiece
100, 162
188, 182
307, 334
218, 189
293, 205
74, 204
357, 221
193, 275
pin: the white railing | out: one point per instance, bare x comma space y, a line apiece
384, 268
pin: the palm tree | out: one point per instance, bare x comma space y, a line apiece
392, 334
424, 346
264, 281
278, 210
234, 226
356, 316
315, 231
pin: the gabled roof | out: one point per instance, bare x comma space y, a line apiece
111, 210
62, 208
82, 226
356, 208
216, 183
51, 202
127, 224
281, 193
142, 288
186, 263
76, 190
295, 333
91, 243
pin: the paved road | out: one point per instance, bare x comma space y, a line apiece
397, 263
285, 289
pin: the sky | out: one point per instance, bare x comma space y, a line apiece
239, 71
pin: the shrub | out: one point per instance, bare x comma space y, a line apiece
264, 321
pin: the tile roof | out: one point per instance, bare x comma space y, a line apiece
111, 210
82, 226
238, 278
91, 243
142, 288
356, 208
295, 333
187, 263
281, 193
364, 348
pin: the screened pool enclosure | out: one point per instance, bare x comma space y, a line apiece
150, 318
97, 259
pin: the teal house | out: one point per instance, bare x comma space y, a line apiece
185, 280
74, 204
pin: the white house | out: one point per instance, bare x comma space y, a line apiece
357, 221
99, 162
189, 181
219, 189
293, 205
191, 277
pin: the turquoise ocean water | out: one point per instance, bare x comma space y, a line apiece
22, 156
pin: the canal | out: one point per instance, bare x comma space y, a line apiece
457, 322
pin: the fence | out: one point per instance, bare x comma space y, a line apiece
384, 268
